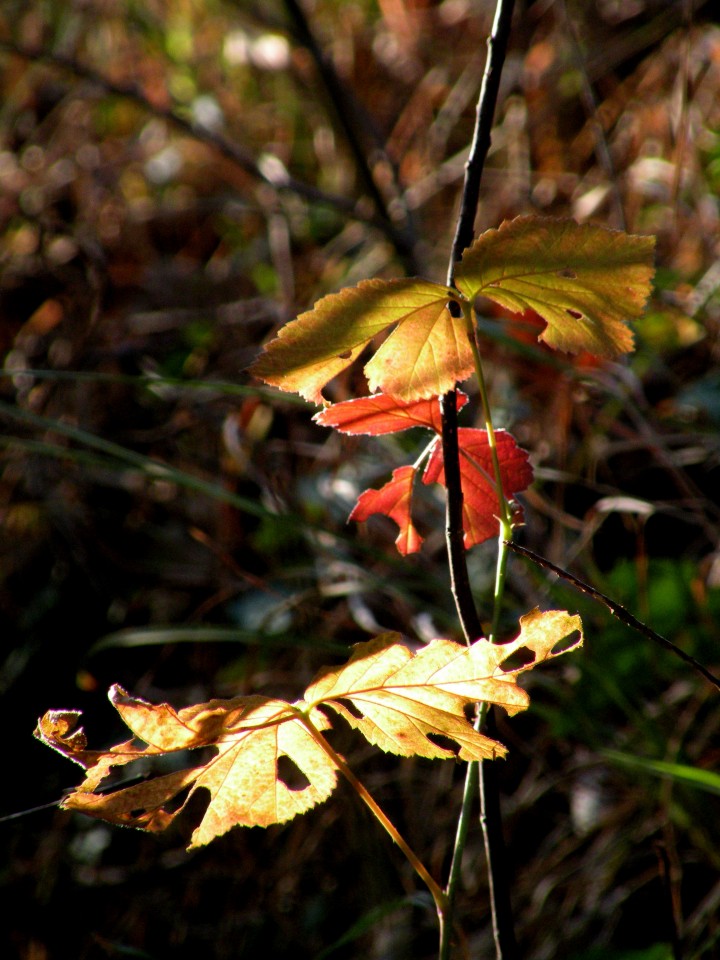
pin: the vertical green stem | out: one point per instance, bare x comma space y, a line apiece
504, 515
490, 812
469, 794
471, 778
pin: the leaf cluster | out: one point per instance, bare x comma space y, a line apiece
585, 281
382, 414
399, 700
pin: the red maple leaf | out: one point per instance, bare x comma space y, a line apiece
381, 414
394, 499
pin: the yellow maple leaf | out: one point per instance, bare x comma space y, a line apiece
584, 280
424, 355
406, 702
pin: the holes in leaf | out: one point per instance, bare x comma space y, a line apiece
470, 711
567, 272
174, 803
291, 775
566, 643
352, 709
574, 313
190, 811
518, 659
445, 742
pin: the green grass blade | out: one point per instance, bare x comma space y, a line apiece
155, 469
161, 636
681, 772
157, 381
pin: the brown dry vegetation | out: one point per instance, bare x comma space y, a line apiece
175, 183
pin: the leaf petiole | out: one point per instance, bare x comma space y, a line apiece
417, 865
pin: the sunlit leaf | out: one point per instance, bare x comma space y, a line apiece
424, 356
394, 499
480, 502
400, 700
585, 281
250, 735
380, 413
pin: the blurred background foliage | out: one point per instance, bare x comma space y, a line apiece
176, 181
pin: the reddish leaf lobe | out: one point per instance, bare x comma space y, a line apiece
480, 502
380, 413
394, 499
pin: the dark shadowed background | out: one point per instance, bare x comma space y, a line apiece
178, 179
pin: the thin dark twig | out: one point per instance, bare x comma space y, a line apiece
494, 842
110, 788
617, 610
454, 530
464, 234
501, 908
497, 45
280, 181
351, 119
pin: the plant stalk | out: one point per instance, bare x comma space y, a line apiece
490, 816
